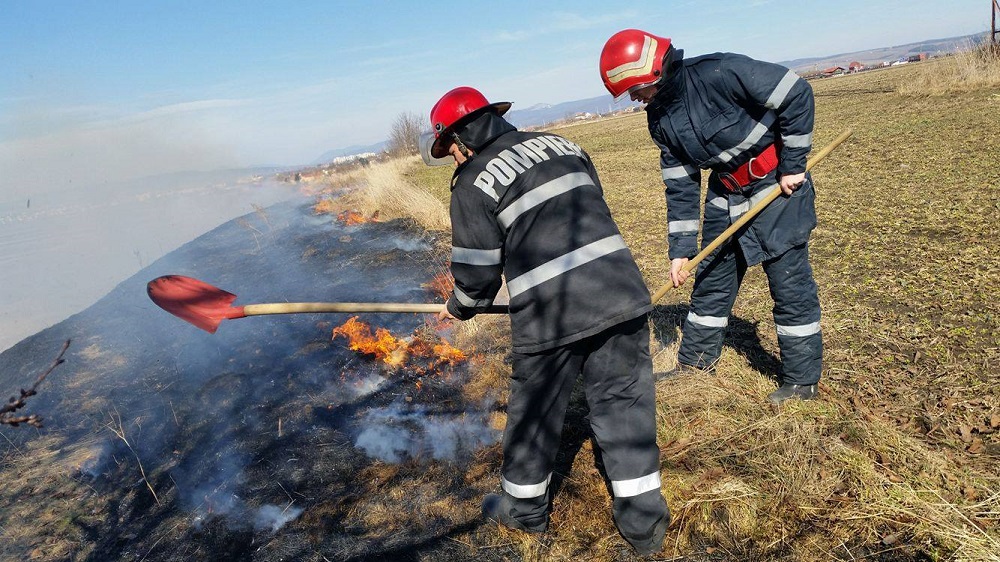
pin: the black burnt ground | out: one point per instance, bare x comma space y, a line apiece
265, 441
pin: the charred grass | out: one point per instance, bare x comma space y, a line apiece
898, 460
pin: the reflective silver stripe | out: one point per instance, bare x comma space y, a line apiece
799, 331
720, 202
739, 210
564, 263
475, 257
755, 135
543, 193
675, 172
469, 302
648, 44
780, 92
797, 141
525, 491
636, 486
680, 227
709, 321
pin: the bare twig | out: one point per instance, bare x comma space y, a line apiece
14, 404
116, 427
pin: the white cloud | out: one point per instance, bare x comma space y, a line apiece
186, 107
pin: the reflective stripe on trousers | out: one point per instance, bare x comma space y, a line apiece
796, 311
618, 383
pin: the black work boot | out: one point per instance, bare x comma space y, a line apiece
648, 546
682, 369
500, 508
789, 391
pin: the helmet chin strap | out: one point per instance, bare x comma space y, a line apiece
461, 145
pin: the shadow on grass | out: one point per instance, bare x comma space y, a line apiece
741, 336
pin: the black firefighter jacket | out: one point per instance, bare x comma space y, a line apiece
716, 112
530, 205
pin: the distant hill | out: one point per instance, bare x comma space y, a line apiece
542, 114
328, 156
884, 54
532, 116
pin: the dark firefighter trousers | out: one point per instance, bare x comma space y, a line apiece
618, 383
796, 311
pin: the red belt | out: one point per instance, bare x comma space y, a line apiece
756, 169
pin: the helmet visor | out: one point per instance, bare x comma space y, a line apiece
627, 94
426, 142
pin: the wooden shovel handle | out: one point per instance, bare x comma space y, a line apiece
753, 212
298, 307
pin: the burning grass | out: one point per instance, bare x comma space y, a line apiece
386, 192
423, 351
898, 459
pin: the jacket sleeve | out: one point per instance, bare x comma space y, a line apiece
476, 252
683, 192
779, 89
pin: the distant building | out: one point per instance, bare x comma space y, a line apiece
833, 71
855, 66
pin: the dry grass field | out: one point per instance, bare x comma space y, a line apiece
899, 458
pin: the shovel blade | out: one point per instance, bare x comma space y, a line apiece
193, 300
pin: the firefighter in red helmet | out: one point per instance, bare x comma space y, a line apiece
529, 207
750, 123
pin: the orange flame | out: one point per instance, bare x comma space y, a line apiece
383, 345
447, 353
324, 206
441, 284
395, 352
354, 217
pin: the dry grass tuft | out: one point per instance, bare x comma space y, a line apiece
970, 69
45, 503
384, 189
485, 339
808, 479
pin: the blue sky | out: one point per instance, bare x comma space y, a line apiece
104, 91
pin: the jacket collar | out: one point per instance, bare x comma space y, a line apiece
672, 86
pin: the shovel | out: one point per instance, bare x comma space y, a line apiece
753, 212
207, 306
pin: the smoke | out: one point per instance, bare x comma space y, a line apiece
272, 517
61, 252
95, 460
400, 432
69, 153
411, 244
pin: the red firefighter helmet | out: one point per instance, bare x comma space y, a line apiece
632, 59
455, 108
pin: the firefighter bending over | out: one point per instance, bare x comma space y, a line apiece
750, 123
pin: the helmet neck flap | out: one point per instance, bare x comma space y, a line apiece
671, 83
483, 129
